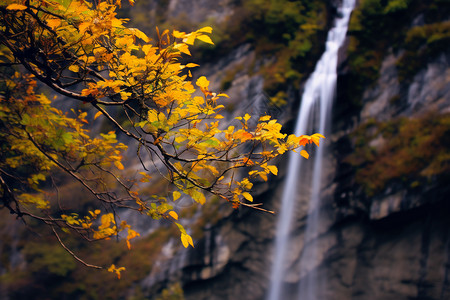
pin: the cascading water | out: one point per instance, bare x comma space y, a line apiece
319, 91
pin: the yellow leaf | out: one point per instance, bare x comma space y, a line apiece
273, 170
106, 221
178, 34
264, 118
263, 175
131, 235
315, 140
247, 196
189, 39
173, 214
202, 82
183, 48
116, 23
197, 196
319, 135
316, 137
206, 29
212, 169
114, 269
152, 115
97, 115
176, 195
139, 34
74, 68
192, 65
16, 7
304, 154
246, 184
186, 240
191, 242
205, 38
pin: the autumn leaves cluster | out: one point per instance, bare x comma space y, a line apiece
84, 53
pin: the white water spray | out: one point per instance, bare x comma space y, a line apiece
319, 91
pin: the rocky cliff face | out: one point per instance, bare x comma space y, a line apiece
393, 243
381, 236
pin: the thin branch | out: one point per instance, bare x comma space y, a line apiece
256, 206
73, 254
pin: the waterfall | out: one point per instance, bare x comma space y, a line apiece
318, 93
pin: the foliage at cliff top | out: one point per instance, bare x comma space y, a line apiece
407, 151
421, 33
91, 59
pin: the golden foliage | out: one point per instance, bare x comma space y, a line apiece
86, 53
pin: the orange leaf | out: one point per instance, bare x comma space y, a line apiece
304, 154
114, 269
16, 7
173, 215
83, 26
119, 165
247, 161
304, 139
53, 23
97, 115
243, 135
